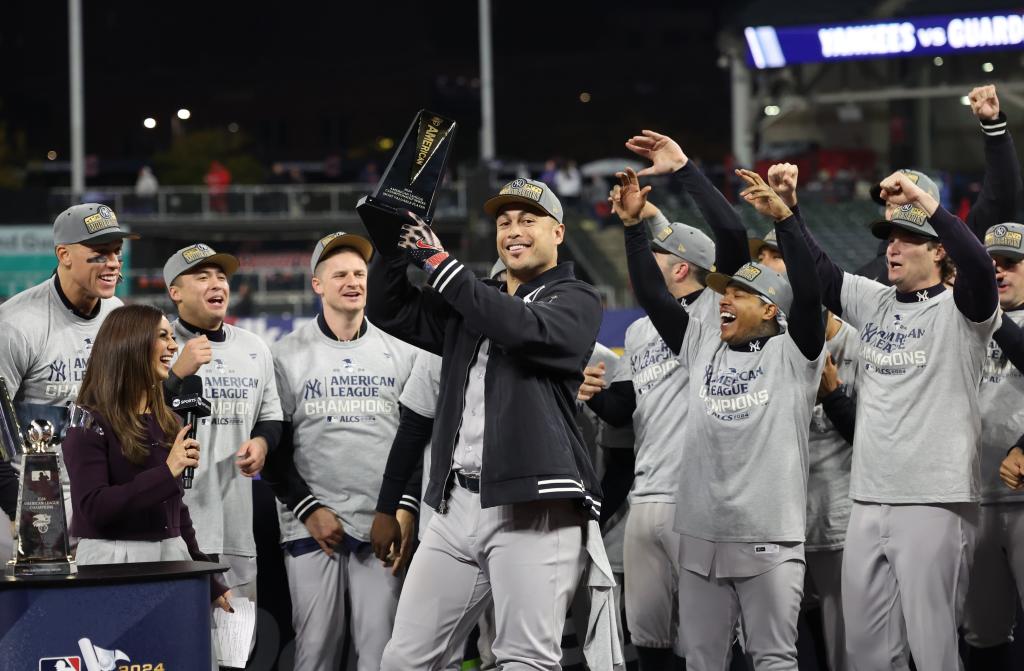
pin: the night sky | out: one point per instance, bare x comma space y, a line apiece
304, 81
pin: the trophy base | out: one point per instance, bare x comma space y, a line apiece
24, 569
383, 224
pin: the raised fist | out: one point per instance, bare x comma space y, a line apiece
898, 189
782, 177
984, 102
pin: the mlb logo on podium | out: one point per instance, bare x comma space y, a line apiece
60, 664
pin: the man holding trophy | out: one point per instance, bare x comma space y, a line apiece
509, 473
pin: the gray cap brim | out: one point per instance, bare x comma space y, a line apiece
755, 245
226, 262
719, 281
1008, 252
104, 238
357, 242
883, 228
773, 287
493, 205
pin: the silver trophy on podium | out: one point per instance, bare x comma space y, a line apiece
41, 545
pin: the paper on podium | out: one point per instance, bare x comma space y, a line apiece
234, 633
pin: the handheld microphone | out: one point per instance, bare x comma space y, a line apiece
190, 404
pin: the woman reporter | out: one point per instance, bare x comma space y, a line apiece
125, 451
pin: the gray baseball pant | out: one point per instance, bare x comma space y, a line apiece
997, 576
768, 605
529, 557
651, 561
905, 576
824, 579
317, 584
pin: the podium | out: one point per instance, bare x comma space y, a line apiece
152, 616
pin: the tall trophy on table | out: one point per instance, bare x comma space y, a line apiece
41, 544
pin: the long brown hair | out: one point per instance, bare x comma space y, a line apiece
120, 372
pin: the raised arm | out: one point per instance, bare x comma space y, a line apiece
556, 332
997, 202
668, 316
783, 177
667, 157
393, 304
975, 291
804, 323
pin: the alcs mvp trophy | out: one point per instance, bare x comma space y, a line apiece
410, 182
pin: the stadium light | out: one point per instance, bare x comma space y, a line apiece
184, 114
772, 110
149, 122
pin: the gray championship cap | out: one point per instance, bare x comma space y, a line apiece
88, 224
1005, 240
194, 256
332, 241
908, 217
771, 286
527, 192
770, 240
686, 242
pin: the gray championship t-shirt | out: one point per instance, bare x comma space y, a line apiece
342, 400
240, 386
44, 349
918, 416
745, 446
1002, 418
660, 383
828, 479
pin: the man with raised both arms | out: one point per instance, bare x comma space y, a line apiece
741, 499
